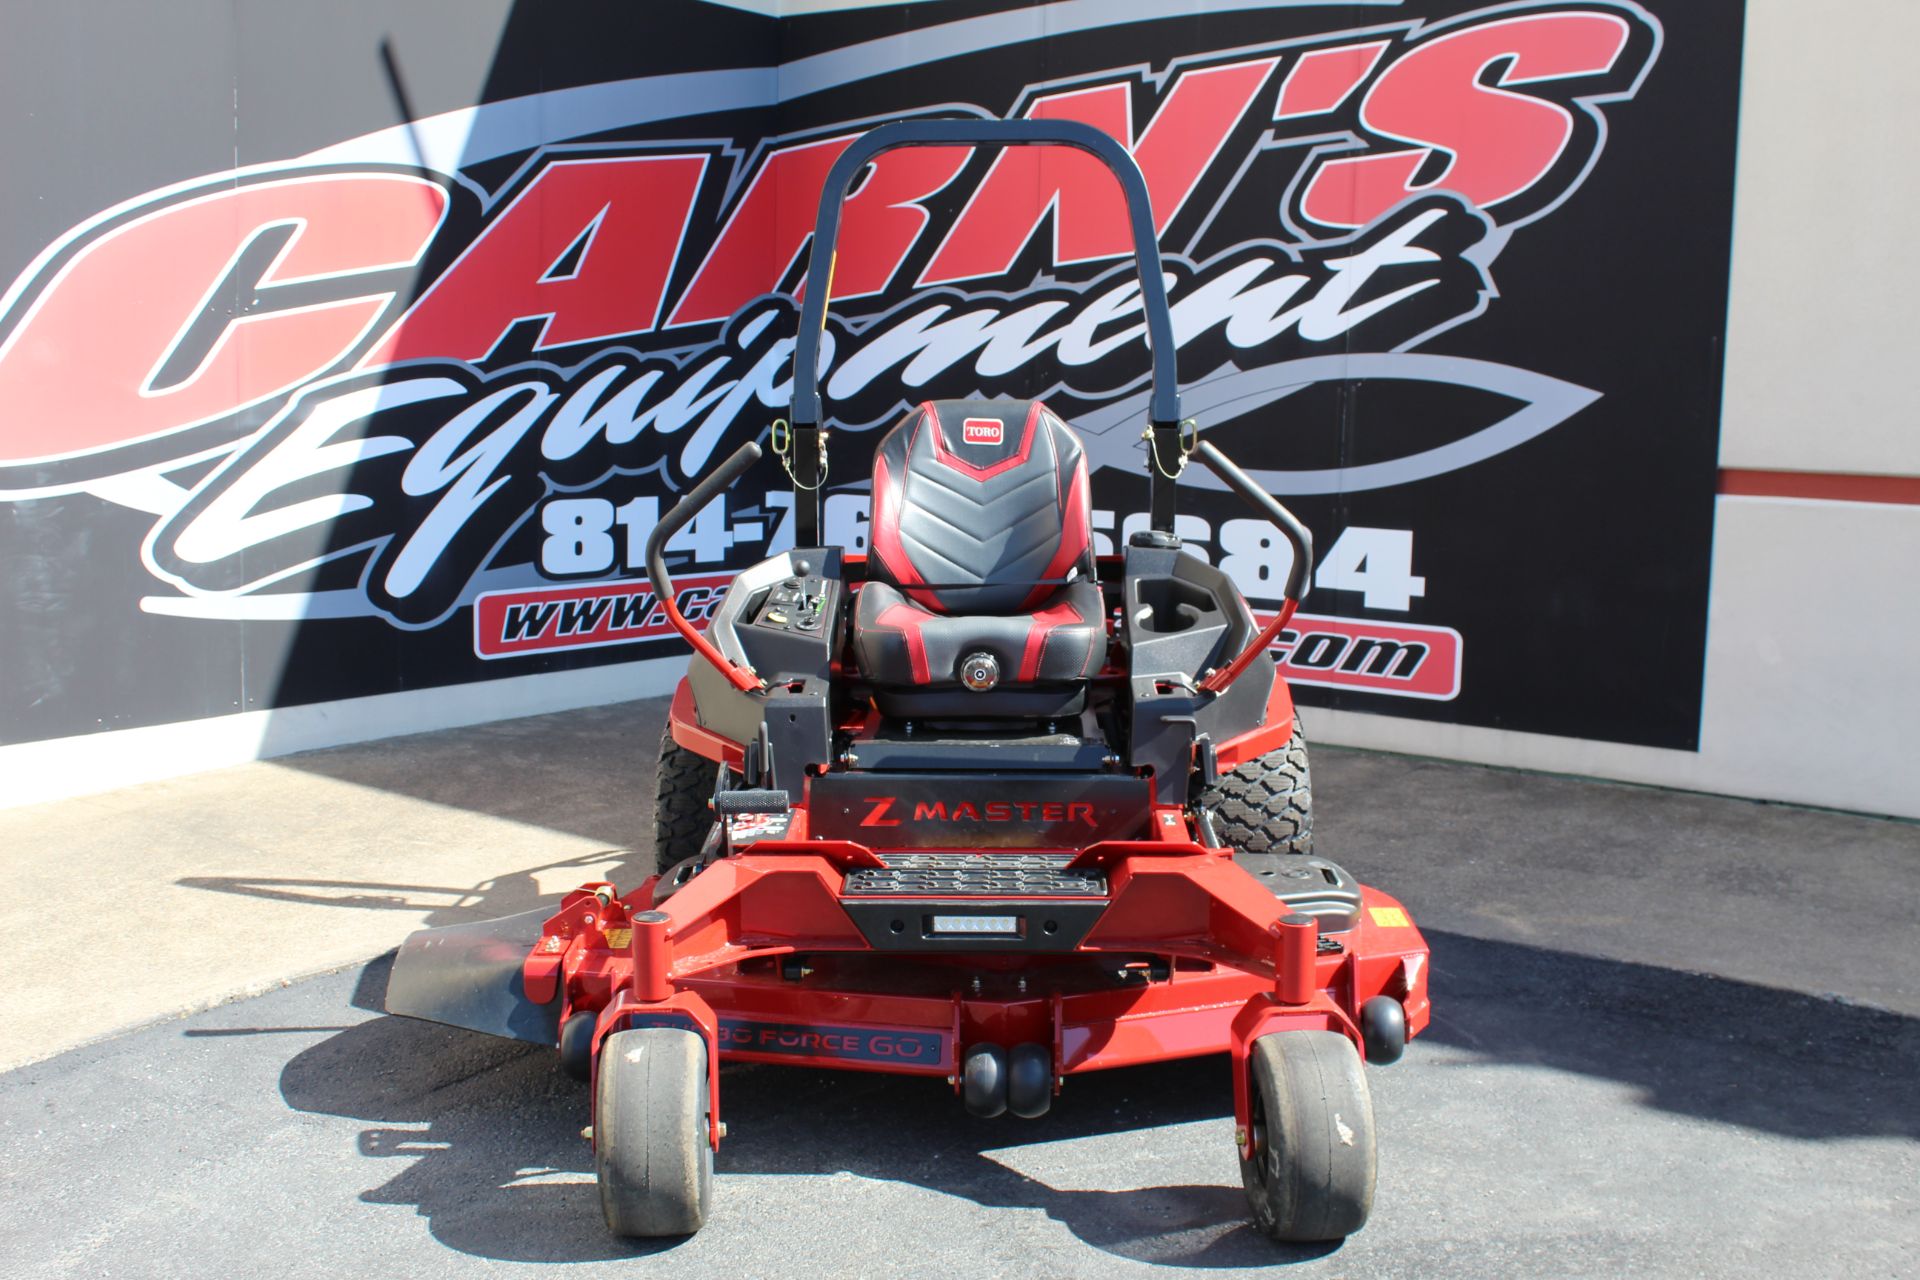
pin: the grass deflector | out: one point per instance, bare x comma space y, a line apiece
981, 806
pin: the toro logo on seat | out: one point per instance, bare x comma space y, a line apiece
982, 431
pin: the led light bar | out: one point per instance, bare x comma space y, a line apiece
938, 925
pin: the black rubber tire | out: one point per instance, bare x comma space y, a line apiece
983, 1081
1383, 1029
1312, 1174
681, 818
1029, 1080
650, 1137
576, 1046
1266, 805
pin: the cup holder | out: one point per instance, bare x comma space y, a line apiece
1169, 605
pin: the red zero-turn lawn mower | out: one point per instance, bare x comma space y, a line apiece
983, 807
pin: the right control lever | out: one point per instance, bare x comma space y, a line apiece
1297, 577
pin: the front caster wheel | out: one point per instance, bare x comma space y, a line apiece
1311, 1175
650, 1132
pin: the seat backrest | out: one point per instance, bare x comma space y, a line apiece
980, 506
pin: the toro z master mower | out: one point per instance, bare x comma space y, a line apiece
982, 807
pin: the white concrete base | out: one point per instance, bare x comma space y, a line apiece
32, 772
1813, 672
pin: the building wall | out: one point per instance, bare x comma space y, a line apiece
1812, 690
1812, 611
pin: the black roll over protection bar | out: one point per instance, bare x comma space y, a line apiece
806, 463
805, 460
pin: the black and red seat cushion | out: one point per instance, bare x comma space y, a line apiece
903, 644
980, 542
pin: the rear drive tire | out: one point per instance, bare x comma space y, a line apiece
1312, 1172
650, 1136
681, 818
1266, 805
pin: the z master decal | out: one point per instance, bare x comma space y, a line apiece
371, 396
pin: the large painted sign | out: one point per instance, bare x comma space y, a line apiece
402, 411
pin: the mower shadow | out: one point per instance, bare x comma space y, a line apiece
587, 772
1693, 1044
489, 1128
504, 895
490, 1131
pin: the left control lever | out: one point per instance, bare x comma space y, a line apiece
682, 514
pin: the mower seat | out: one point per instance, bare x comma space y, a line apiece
980, 600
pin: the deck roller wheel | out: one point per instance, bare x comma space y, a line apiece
1311, 1175
650, 1132
1029, 1080
1383, 1029
983, 1081
576, 1045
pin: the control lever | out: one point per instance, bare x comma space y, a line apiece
1297, 577
683, 512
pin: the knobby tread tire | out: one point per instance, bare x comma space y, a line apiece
681, 818
1266, 805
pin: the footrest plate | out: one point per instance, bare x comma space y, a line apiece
975, 875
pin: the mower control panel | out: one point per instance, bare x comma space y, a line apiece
800, 605
783, 618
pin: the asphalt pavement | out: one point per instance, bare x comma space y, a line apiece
1673, 1035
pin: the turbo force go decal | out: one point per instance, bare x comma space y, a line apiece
899, 1047
745, 1038
363, 393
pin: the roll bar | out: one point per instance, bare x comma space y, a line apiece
1164, 406
806, 461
